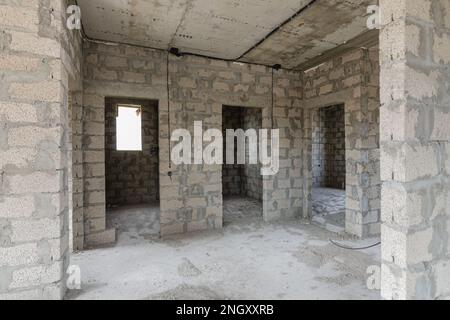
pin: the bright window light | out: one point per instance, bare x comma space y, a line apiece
128, 128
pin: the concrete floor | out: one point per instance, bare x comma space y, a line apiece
248, 259
134, 223
328, 209
240, 209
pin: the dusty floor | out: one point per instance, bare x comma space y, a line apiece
134, 222
328, 207
238, 209
248, 259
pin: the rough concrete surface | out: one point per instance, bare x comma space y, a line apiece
134, 222
240, 208
248, 259
211, 27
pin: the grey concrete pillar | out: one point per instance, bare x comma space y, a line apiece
33, 164
415, 148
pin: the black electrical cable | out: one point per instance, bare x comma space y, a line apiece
273, 99
168, 114
355, 249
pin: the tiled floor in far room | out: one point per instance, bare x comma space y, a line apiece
328, 208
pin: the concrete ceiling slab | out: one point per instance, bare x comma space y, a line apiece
229, 28
220, 28
325, 25
140, 22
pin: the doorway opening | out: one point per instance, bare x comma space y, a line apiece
132, 167
329, 167
242, 184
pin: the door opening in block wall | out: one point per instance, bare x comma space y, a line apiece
328, 167
132, 165
242, 184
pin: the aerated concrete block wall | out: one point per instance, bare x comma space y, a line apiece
415, 149
191, 199
37, 58
75, 169
351, 79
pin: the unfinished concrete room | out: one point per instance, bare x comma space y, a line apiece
224, 150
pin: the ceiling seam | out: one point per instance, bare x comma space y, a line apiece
277, 29
182, 19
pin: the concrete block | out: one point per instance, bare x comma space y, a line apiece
401, 207
221, 86
196, 226
35, 276
185, 82
17, 207
441, 129
97, 239
196, 202
393, 283
46, 91
31, 136
105, 74
34, 230
115, 62
28, 42
19, 63
17, 158
133, 77
394, 247
37, 182
19, 17
421, 161
26, 254
171, 229
442, 278
419, 247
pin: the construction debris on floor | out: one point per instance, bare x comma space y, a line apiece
248, 259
